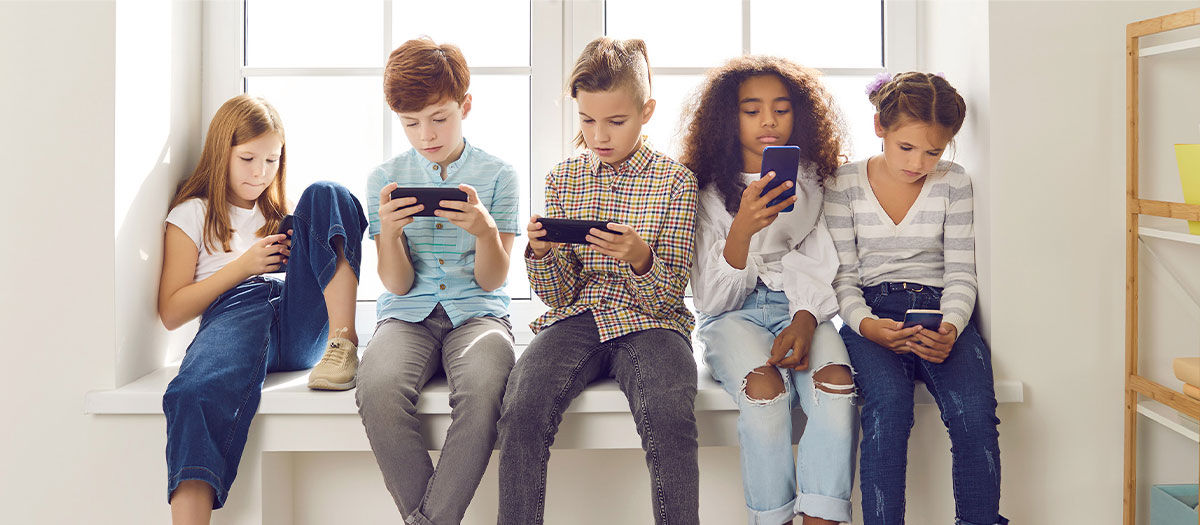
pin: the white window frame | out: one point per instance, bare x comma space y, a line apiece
559, 30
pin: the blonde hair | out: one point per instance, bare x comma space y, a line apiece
606, 64
921, 97
239, 120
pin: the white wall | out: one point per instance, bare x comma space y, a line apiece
1046, 84
1057, 195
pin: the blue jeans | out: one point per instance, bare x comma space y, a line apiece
739, 341
963, 388
655, 370
262, 325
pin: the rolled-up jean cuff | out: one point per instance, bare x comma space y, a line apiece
1001, 521
824, 507
199, 474
783, 514
417, 518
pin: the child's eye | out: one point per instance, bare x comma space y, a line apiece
751, 112
933, 154
439, 121
247, 159
588, 121
272, 161
783, 111
906, 148
617, 123
411, 125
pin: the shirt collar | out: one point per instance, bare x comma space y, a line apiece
432, 167
636, 163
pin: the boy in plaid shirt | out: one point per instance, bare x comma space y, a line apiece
617, 302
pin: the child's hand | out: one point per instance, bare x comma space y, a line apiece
264, 256
535, 231
934, 346
471, 216
797, 338
753, 215
394, 215
625, 245
888, 334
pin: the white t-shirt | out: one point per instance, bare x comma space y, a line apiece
189, 217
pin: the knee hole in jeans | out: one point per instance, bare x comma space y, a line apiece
834, 379
763, 385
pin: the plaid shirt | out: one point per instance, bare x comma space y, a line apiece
654, 194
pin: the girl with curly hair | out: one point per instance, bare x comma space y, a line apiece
762, 280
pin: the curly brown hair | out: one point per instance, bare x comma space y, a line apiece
712, 148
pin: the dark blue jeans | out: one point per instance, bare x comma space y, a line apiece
262, 325
963, 388
657, 373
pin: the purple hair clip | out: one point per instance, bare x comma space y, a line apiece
878, 82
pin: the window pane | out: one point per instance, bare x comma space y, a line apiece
314, 33
670, 92
491, 33
679, 34
819, 33
499, 124
334, 132
857, 111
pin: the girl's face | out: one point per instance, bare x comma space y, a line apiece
611, 122
252, 167
911, 148
764, 118
435, 131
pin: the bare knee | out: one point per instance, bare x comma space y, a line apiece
763, 384
834, 379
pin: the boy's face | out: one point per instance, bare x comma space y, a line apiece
252, 167
435, 131
611, 122
912, 149
764, 118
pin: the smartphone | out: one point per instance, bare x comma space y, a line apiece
931, 319
430, 197
570, 231
785, 162
284, 226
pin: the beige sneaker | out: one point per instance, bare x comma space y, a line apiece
337, 368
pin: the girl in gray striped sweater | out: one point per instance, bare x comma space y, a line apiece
902, 224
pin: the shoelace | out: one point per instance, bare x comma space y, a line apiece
336, 354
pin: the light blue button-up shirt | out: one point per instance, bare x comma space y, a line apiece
443, 255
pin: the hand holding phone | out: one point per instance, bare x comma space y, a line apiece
570, 231
785, 162
285, 227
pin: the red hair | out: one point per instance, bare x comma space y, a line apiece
420, 73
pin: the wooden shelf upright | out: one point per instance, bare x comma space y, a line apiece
1135, 384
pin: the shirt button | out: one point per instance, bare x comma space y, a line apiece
441, 261
441, 287
439, 226
436, 167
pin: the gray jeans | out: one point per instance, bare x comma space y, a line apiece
657, 373
397, 363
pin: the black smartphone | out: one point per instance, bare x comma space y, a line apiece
430, 197
570, 231
284, 226
785, 162
930, 319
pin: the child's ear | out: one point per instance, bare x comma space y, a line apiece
878, 128
466, 105
648, 110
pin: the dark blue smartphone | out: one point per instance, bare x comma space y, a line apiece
284, 226
931, 319
430, 197
570, 231
785, 162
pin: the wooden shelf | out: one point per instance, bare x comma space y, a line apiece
1172, 47
1170, 418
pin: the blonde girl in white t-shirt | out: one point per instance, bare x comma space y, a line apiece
220, 241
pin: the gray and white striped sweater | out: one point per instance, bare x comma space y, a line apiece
933, 245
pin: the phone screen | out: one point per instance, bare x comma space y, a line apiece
785, 162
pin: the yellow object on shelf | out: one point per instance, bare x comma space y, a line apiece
1188, 157
1187, 369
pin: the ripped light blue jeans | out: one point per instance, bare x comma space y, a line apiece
735, 344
